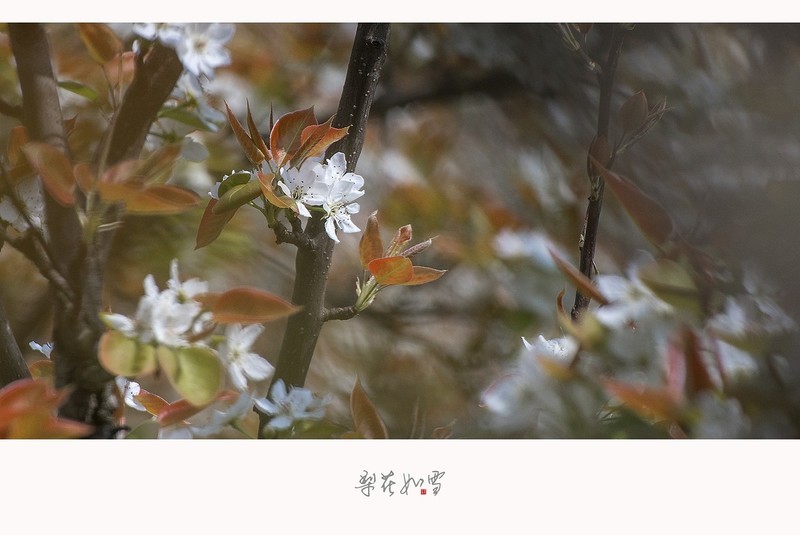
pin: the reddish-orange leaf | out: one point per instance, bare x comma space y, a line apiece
391, 270
121, 172
17, 138
84, 176
366, 420
156, 199
250, 148
121, 68
281, 201
652, 404
284, 139
211, 224
578, 279
42, 369
159, 166
423, 275
399, 240
371, 246
152, 402
54, 168
177, 411
651, 218
255, 135
101, 42
250, 305
316, 139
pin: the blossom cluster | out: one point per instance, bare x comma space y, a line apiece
175, 317
200, 46
325, 186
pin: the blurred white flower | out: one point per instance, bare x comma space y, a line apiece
129, 391
44, 349
245, 368
289, 406
202, 47
630, 300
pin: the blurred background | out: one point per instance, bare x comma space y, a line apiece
478, 136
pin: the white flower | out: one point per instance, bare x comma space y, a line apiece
630, 300
44, 349
304, 185
287, 407
167, 33
244, 366
342, 190
560, 349
189, 93
166, 317
201, 48
129, 391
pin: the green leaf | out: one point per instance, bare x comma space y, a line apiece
237, 195
250, 305
195, 372
187, 116
147, 430
79, 89
391, 270
125, 356
366, 420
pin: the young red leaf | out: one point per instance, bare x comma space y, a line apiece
54, 168
255, 135
391, 270
157, 199
176, 412
366, 420
249, 146
100, 41
121, 68
686, 370
578, 279
284, 139
84, 176
424, 275
250, 305
153, 403
652, 404
399, 240
316, 139
370, 246
651, 218
281, 201
211, 224
121, 172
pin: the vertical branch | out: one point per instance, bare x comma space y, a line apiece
77, 327
592, 218
12, 364
312, 264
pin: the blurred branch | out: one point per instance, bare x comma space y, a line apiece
312, 264
592, 219
10, 110
12, 363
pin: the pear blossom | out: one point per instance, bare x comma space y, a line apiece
129, 390
289, 406
304, 184
45, 349
200, 46
342, 190
166, 32
165, 317
245, 368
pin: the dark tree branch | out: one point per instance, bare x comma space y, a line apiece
592, 218
339, 313
12, 363
77, 326
10, 110
312, 264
